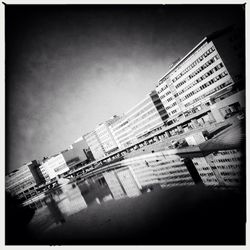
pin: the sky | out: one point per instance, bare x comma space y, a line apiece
69, 68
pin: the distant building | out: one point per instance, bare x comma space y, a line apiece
208, 72
77, 153
105, 135
95, 145
44, 173
55, 166
70, 157
20, 179
148, 115
82, 150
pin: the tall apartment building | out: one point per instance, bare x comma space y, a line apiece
95, 145
147, 115
193, 82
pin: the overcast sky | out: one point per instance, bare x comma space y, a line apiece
70, 68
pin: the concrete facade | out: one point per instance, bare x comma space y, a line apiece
143, 118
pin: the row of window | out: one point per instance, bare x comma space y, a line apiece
165, 164
215, 79
177, 171
145, 121
146, 101
139, 112
201, 58
181, 65
221, 86
228, 152
228, 160
138, 125
170, 99
119, 126
174, 111
126, 133
149, 123
166, 94
231, 180
180, 176
106, 137
176, 183
103, 132
121, 130
236, 166
207, 74
196, 72
205, 168
163, 88
228, 174
214, 180
134, 121
171, 106
149, 110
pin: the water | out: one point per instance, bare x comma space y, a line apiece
133, 177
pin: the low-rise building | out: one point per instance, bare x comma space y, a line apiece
55, 166
105, 135
95, 145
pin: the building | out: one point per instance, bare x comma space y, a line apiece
193, 83
145, 117
95, 145
105, 135
55, 166
35, 170
44, 173
70, 157
78, 153
20, 179
82, 150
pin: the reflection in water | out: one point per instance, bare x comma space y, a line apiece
134, 176
95, 190
55, 211
70, 201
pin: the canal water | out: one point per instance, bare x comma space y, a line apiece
132, 177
